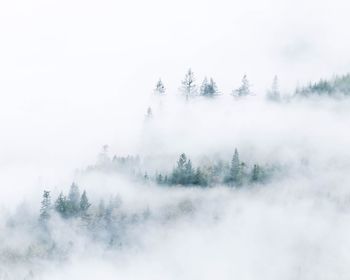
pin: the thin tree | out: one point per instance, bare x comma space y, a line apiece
45, 207
84, 206
274, 93
235, 170
188, 86
73, 200
61, 205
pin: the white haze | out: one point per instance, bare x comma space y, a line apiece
75, 75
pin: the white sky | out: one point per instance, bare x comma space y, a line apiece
72, 73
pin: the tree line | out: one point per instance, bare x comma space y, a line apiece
209, 88
236, 173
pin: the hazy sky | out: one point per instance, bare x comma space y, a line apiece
75, 75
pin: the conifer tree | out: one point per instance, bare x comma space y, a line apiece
244, 89
84, 204
61, 205
188, 173
255, 173
182, 162
274, 93
188, 85
235, 170
208, 89
203, 88
45, 207
73, 200
160, 88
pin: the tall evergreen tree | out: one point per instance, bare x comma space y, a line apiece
235, 169
188, 173
61, 205
84, 204
199, 178
178, 174
244, 89
73, 201
182, 162
203, 88
189, 87
45, 207
274, 93
160, 88
208, 89
257, 173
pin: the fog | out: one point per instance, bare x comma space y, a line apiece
78, 75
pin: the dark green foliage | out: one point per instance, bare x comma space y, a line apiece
73, 201
61, 205
84, 206
184, 174
199, 178
339, 85
209, 89
74, 205
84, 202
235, 174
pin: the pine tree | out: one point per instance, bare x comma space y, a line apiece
61, 205
235, 170
274, 93
257, 173
188, 85
178, 174
160, 88
244, 89
182, 162
203, 88
213, 88
199, 178
45, 207
73, 200
84, 204
188, 173
208, 89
